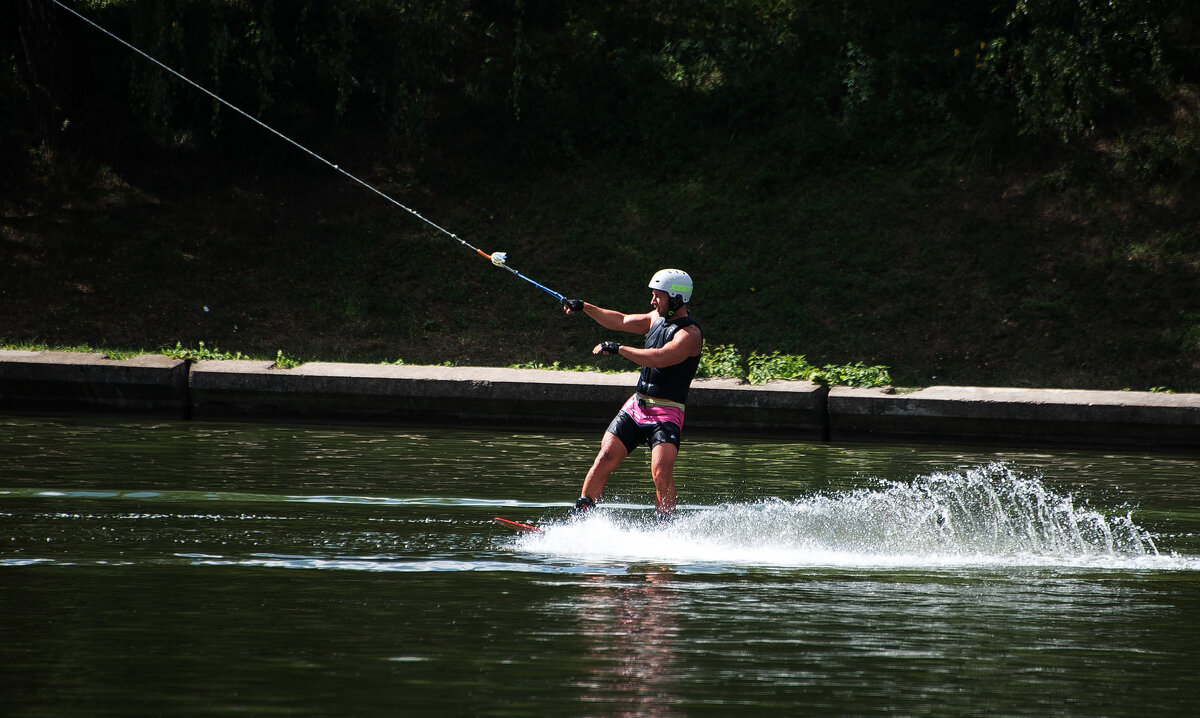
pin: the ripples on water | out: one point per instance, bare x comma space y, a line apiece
199, 569
989, 516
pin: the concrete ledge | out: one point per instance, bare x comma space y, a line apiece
406, 393
794, 407
484, 395
69, 381
1017, 415
35, 380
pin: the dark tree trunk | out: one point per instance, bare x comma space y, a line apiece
53, 71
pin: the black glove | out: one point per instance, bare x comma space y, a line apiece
575, 305
610, 347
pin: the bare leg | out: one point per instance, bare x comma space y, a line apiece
662, 469
612, 453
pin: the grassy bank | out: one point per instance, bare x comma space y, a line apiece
1035, 275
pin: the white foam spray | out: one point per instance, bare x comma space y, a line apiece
984, 516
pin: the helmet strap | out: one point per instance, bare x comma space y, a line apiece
674, 303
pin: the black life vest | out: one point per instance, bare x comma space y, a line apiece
670, 382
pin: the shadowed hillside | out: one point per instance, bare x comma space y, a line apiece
966, 252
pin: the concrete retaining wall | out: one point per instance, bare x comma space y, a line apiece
75, 381
404, 393
484, 396
65, 381
1006, 415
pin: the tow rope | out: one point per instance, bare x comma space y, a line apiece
497, 258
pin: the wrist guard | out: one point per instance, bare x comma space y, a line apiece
610, 347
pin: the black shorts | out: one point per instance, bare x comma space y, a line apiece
633, 434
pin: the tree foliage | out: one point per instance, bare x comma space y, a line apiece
655, 78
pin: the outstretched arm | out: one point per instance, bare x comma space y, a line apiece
613, 320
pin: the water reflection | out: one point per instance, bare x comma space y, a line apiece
631, 630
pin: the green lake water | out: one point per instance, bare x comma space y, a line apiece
192, 568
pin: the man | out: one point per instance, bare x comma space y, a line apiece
654, 414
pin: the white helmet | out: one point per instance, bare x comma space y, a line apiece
675, 282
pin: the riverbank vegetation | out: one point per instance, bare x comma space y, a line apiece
947, 193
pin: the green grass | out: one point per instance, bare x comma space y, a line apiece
866, 273
38, 346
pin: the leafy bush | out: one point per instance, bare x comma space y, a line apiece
727, 361
721, 361
283, 361
199, 353
856, 374
765, 367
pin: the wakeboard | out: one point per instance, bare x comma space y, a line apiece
516, 525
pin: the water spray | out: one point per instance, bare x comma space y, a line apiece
497, 258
